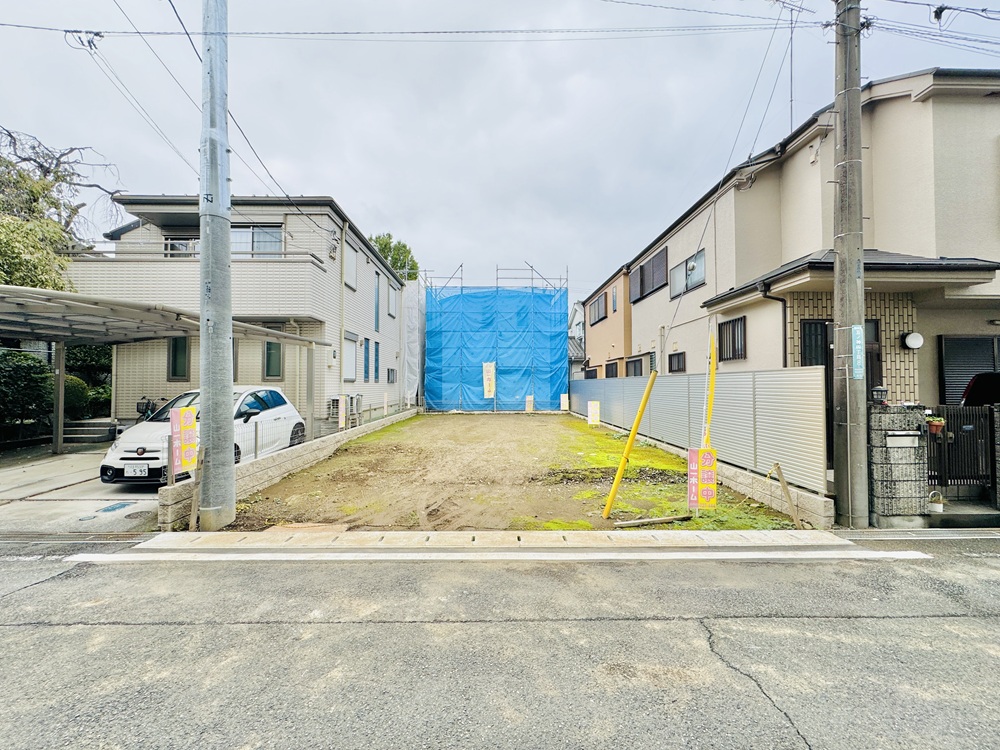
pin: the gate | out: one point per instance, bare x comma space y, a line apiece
962, 453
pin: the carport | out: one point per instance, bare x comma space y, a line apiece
69, 318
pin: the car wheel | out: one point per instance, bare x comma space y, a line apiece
298, 435
238, 453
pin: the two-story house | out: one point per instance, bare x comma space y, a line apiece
751, 260
608, 329
298, 266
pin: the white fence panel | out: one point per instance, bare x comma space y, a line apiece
790, 415
758, 417
733, 434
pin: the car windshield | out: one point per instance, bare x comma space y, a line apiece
185, 399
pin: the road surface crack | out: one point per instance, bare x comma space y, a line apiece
754, 680
36, 583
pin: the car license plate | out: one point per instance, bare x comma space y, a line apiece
137, 470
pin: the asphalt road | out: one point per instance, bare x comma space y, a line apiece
888, 654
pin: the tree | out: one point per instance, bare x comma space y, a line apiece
39, 208
25, 388
90, 362
397, 254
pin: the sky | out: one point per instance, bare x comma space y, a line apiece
568, 151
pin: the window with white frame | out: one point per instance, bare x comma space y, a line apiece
256, 241
351, 267
392, 301
349, 363
378, 290
687, 274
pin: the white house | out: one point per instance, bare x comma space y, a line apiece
298, 266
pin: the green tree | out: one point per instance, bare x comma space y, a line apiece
25, 388
398, 254
39, 209
90, 362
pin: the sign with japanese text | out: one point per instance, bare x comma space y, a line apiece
594, 413
342, 413
564, 402
184, 438
489, 379
857, 352
702, 478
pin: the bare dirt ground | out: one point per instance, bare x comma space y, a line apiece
488, 471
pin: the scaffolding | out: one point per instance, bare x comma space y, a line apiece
517, 330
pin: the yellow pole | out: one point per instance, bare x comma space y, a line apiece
628, 445
710, 394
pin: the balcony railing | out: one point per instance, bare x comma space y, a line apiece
190, 250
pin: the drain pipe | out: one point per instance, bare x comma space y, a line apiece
765, 292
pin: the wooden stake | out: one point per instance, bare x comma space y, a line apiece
650, 521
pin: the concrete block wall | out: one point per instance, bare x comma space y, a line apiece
994, 490
175, 502
897, 476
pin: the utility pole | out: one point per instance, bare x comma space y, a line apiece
218, 475
850, 416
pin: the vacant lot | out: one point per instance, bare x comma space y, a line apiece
489, 471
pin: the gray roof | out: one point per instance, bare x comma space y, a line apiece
576, 349
875, 260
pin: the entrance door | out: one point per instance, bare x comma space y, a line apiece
817, 349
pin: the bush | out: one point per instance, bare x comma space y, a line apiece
25, 388
77, 398
100, 401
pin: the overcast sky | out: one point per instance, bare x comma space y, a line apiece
563, 150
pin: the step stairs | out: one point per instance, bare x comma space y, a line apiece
89, 431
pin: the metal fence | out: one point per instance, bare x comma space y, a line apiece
962, 453
758, 417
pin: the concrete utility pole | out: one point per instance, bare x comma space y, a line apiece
218, 475
850, 416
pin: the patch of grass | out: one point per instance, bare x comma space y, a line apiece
586, 495
530, 523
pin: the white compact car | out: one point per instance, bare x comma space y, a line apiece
265, 422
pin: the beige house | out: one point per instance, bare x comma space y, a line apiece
299, 267
751, 261
607, 329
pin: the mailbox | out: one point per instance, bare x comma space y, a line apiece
902, 439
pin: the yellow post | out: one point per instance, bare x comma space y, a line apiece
628, 445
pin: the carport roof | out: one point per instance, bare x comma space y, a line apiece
46, 315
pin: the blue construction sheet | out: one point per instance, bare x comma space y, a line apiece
523, 331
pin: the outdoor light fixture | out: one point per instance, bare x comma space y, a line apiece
912, 340
880, 393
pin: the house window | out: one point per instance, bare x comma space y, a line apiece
179, 358
255, 241
599, 309
614, 299
393, 301
350, 360
733, 339
181, 247
633, 368
611, 370
652, 361
351, 267
390, 375
635, 284
376, 361
365, 359
274, 358
677, 362
961, 358
590, 373
378, 289
687, 274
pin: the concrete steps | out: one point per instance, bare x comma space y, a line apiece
89, 431
960, 514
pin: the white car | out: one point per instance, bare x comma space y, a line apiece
265, 422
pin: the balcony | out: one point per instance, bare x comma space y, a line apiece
268, 280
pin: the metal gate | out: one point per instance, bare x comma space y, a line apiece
962, 453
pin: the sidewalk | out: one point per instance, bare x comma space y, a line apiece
568, 546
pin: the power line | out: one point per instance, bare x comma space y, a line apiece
239, 127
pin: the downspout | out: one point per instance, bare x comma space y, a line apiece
343, 254
765, 292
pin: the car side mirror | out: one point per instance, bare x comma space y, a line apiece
250, 413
